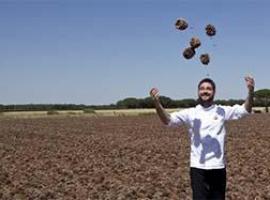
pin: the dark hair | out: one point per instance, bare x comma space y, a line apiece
208, 80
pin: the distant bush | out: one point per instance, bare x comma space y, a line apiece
89, 111
52, 112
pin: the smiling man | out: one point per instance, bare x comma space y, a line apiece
207, 133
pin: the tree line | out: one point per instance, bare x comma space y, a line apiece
262, 99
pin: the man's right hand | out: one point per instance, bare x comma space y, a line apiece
154, 93
162, 113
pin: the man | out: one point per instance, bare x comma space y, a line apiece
207, 135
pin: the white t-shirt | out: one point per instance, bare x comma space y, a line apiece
207, 132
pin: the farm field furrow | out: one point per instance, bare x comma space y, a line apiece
126, 158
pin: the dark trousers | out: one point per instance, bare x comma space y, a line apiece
208, 184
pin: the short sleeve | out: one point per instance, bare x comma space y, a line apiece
235, 112
179, 117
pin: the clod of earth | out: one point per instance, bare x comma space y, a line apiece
205, 59
195, 42
210, 30
181, 24
189, 52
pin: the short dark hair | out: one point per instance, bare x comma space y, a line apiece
207, 80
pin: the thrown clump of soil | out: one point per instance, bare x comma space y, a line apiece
181, 24
210, 30
205, 59
189, 52
195, 42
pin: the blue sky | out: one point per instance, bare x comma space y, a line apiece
101, 51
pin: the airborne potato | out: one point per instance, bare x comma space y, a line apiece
195, 42
210, 30
181, 24
189, 52
205, 59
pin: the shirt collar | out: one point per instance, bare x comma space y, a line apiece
205, 109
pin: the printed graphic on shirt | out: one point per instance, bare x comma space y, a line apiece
210, 146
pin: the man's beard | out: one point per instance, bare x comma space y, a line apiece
205, 103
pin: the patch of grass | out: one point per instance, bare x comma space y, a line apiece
89, 111
146, 114
72, 113
52, 112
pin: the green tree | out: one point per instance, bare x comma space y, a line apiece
263, 96
166, 101
130, 102
146, 103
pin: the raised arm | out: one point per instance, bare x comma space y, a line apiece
162, 113
249, 100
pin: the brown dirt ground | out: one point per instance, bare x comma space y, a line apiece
122, 158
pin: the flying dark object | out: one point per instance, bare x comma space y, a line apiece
210, 30
181, 24
205, 59
195, 42
188, 53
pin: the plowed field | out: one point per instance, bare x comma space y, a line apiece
122, 158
